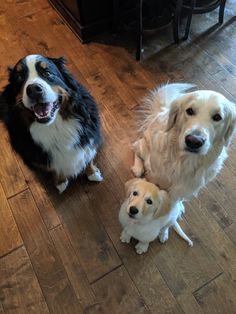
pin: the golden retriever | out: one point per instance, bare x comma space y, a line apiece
184, 140
146, 213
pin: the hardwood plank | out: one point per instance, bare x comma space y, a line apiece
1, 309
41, 197
19, 289
87, 235
218, 296
211, 237
231, 232
118, 293
52, 277
11, 177
10, 237
74, 269
188, 303
146, 276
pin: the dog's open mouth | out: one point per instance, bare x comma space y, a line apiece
44, 112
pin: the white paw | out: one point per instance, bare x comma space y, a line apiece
164, 236
96, 176
125, 238
141, 247
62, 186
137, 171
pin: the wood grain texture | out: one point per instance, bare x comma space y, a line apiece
11, 177
118, 293
49, 270
74, 269
10, 237
19, 288
67, 256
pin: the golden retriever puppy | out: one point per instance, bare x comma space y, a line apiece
185, 139
146, 213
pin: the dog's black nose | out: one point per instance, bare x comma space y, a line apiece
194, 141
34, 90
133, 210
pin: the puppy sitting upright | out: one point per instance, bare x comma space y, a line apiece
52, 120
146, 213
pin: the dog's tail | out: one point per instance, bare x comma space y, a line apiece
181, 233
160, 99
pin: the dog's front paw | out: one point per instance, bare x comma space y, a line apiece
141, 247
125, 237
164, 236
62, 186
96, 176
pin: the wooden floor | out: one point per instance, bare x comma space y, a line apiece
61, 253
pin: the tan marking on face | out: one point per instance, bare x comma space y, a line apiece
65, 103
43, 65
19, 67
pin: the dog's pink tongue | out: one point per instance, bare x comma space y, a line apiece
42, 109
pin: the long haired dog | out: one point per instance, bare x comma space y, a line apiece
53, 121
146, 213
185, 139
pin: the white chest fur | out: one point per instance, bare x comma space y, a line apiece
60, 140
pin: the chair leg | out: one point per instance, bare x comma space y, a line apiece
176, 20
190, 14
222, 11
139, 29
116, 4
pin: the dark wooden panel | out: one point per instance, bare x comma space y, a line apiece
19, 288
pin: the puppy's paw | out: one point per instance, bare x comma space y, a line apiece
164, 236
137, 171
62, 186
96, 176
141, 247
125, 237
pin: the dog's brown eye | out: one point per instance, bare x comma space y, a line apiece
190, 111
135, 193
149, 201
217, 117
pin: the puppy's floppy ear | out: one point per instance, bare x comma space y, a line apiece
164, 204
173, 115
67, 76
231, 123
130, 184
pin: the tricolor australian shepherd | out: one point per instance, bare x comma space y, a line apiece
53, 121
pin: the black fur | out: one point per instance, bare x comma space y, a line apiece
18, 118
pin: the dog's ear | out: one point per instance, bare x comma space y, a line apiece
163, 207
173, 115
231, 123
67, 76
130, 184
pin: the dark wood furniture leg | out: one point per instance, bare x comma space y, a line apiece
176, 20
221, 11
189, 19
116, 5
139, 29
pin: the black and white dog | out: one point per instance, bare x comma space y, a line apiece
52, 120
